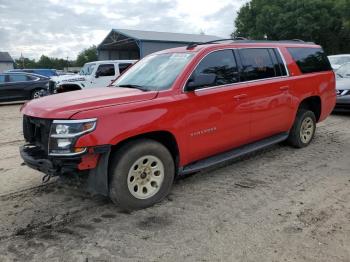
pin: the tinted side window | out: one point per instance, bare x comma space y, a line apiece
106, 70
310, 60
222, 64
17, 78
123, 67
257, 64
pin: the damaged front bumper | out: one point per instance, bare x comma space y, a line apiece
34, 157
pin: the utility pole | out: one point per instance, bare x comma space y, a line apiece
22, 58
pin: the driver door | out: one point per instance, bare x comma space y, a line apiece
218, 117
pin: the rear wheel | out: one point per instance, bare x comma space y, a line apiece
303, 130
37, 93
142, 173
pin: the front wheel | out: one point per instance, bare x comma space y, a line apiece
303, 130
142, 173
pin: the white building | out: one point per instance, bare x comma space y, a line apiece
6, 62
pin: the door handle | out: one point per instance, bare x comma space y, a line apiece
241, 96
284, 88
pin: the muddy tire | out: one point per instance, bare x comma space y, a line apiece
303, 130
141, 174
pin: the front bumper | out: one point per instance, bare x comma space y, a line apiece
343, 103
97, 181
35, 158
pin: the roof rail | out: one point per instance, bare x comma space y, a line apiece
194, 44
245, 40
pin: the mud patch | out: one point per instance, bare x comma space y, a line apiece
108, 216
154, 223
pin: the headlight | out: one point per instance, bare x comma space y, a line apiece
64, 134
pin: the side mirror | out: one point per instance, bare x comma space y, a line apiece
200, 80
97, 75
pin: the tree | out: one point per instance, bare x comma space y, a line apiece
326, 22
87, 55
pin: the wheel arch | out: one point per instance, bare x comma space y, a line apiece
166, 138
313, 103
68, 87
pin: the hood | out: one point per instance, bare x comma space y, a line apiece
343, 83
68, 78
64, 105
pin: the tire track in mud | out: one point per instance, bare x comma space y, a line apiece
50, 220
17, 141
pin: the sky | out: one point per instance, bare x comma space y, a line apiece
62, 28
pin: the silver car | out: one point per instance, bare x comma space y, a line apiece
343, 88
338, 60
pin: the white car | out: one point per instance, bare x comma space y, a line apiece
338, 60
91, 75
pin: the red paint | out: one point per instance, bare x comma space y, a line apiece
268, 108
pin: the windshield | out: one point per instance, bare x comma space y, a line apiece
339, 60
87, 69
155, 72
344, 71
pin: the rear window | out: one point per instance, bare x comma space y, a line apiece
310, 60
18, 78
259, 63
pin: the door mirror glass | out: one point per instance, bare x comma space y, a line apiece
200, 80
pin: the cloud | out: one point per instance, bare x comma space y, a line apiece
61, 28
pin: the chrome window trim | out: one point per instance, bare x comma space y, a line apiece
243, 82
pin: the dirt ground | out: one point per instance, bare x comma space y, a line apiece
279, 204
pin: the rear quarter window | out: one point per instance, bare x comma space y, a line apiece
310, 60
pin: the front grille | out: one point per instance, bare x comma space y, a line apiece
36, 131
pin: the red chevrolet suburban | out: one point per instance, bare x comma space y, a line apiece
179, 111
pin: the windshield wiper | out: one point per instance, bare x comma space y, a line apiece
341, 76
134, 86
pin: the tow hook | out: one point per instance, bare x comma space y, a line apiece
46, 178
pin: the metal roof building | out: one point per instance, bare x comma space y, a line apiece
6, 61
135, 44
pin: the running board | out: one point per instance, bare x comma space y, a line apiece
235, 153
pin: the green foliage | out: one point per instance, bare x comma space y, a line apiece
326, 22
87, 55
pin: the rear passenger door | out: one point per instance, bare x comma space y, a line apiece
123, 67
218, 115
265, 75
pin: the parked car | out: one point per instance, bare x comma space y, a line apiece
178, 111
338, 60
42, 72
343, 71
22, 86
343, 88
94, 74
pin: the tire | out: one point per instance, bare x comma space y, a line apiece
141, 174
36, 93
303, 130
